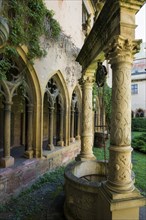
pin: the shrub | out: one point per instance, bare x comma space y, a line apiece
139, 124
139, 143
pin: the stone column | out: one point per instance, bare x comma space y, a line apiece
87, 118
23, 128
78, 125
7, 160
120, 55
72, 138
29, 151
61, 142
51, 145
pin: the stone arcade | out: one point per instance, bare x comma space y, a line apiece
53, 118
112, 37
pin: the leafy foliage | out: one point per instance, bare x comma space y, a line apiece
28, 21
139, 124
139, 143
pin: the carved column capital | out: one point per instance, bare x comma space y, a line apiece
121, 49
87, 80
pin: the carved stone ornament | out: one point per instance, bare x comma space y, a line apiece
120, 169
121, 49
86, 80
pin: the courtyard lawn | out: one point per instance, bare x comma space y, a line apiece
139, 168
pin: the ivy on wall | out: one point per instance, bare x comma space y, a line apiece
28, 20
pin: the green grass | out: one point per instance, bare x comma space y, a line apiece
139, 168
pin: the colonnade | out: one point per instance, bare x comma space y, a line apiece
120, 54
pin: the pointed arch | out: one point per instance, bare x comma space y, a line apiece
37, 101
78, 92
76, 108
63, 97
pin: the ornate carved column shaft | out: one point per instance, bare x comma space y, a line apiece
87, 118
29, 151
120, 54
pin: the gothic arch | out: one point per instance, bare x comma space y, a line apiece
75, 119
37, 102
139, 113
62, 99
78, 92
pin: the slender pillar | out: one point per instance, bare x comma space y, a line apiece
61, 142
29, 151
72, 138
78, 125
23, 128
7, 160
87, 118
51, 145
120, 54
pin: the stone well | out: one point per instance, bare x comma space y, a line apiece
82, 183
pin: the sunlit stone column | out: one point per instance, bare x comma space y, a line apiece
120, 55
51, 145
29, 151
87, 118
7, 160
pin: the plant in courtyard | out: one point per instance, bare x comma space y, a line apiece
28, 20
139, 143
139, 124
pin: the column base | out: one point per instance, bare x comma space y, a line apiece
72, 139
121, 189
60, 143
29, 154
78, 137
81, 157
50, 147
113, 206
6, 162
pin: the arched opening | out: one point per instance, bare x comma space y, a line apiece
75, 117
18, 98
140, 113
55, 115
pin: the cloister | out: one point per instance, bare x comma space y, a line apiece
51, 116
